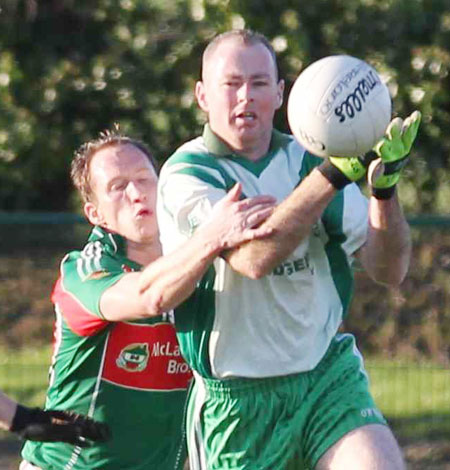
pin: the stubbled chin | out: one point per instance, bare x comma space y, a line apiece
245, 123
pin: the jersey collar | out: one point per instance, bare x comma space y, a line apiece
219, 148
115, 243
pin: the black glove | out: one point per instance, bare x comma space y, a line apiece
36, 424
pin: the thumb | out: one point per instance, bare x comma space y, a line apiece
235, 192
376, 169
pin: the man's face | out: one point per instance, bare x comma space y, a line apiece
240, 94
123, 183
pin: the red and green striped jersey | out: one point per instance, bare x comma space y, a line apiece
128, 374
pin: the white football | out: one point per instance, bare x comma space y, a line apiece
338, 106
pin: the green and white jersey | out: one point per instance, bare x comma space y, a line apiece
129, 375
233, 326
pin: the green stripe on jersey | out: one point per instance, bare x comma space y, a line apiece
309, 162
199, 161
341, 272
194, 320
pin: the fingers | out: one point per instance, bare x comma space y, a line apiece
410, 128
72, 426
258, 216
256, 200
96, 431
258, 233
376, 169
234, 193
394, 128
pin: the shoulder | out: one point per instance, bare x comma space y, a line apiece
92, 262
194, 152
193, 163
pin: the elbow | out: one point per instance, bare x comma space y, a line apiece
253, 271
153, 304
256, 274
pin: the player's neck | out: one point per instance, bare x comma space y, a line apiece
144, 253
255, 150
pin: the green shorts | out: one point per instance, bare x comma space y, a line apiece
280, 423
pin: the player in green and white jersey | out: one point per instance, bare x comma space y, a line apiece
276, 386
116, 358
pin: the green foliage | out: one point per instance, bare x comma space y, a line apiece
70, 69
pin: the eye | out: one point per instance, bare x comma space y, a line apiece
144, 180
118, 186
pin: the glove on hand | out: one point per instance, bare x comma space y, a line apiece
36, 424
341, 171
393, 151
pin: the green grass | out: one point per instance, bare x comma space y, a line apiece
414, 397
24, 374
405, 389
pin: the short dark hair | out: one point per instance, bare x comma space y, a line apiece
79, 170
246, 36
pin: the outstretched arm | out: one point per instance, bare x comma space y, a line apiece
386, 254
290, 223
171, 279
37, 424
7, 410
387, 251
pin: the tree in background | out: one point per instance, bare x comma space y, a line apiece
69, 69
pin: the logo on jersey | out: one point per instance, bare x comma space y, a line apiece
145, 357
134, 357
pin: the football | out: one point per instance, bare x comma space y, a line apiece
338, 106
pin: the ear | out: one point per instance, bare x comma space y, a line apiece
93, 214
280, 93
200, 95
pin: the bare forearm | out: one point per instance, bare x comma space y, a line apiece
7, 411
171, 279
161, 286
387, 252
291, 221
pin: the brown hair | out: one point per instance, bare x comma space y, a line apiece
247, 37
79, 170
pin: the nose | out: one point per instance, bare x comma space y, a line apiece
135, 192
245, 92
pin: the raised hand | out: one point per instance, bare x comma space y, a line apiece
393, 154
238, 220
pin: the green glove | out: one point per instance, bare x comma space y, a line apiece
393, 152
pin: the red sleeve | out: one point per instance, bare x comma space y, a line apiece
78, 318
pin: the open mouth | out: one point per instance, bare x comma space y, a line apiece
246, 116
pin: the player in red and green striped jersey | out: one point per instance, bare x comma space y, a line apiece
116, 358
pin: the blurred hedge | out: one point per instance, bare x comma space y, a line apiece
69, 69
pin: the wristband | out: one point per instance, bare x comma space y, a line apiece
383, 193
333, 175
